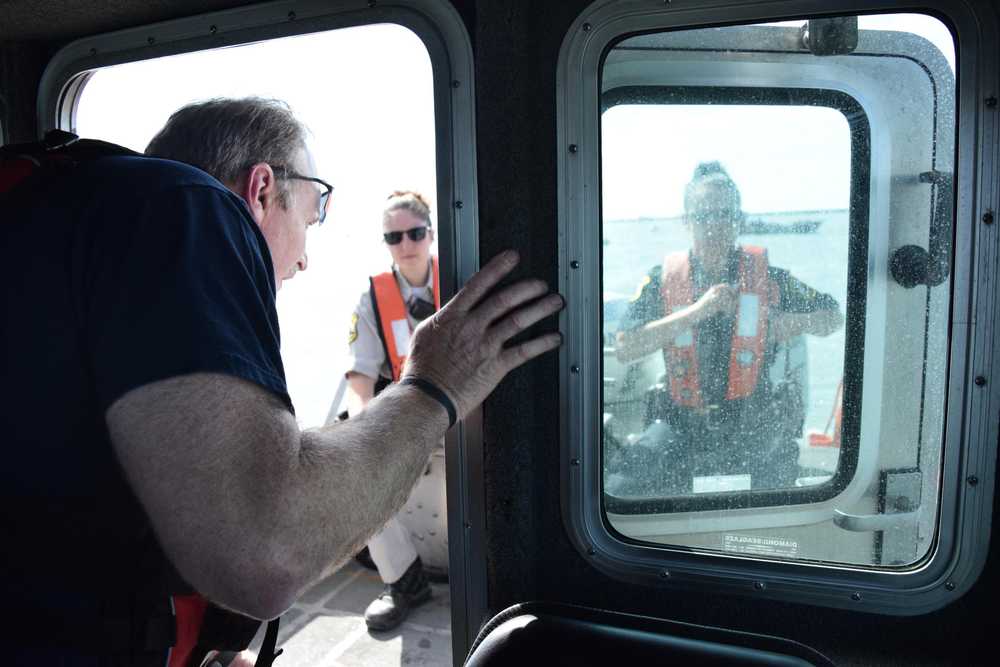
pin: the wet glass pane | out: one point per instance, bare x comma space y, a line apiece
718, 300
765, 203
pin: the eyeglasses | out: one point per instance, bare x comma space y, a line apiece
324, 195
415, 234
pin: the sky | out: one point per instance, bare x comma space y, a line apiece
783, 158
366, 94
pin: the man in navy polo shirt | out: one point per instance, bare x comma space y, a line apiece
153, 457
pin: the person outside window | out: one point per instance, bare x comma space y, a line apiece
719, 314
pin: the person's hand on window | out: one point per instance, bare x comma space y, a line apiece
462, 348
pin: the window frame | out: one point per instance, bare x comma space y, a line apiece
858, 214
443, 33
970, 427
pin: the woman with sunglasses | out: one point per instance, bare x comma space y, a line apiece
386, 315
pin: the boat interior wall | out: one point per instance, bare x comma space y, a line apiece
516, 120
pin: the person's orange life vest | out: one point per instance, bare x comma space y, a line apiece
746, 358
390, 311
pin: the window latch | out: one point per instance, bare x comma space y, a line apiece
868, 523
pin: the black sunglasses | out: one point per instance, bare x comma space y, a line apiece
324, 195
415, 234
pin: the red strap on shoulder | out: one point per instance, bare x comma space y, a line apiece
189, 613
15, 170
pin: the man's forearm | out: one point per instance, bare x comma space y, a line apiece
352, 476
249, 509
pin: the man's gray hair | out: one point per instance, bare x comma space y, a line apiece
225, 137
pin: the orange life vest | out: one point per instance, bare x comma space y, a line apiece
746, 357
390, 311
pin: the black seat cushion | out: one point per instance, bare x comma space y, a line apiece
560, 634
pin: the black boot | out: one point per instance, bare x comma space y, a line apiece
391, 607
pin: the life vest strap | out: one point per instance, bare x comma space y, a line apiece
391, 315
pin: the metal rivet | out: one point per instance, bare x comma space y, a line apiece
988, 217
972, 480
574, 369
574, 462
590, 551
991, 101
459, 203
950, 585
151, 40
291, 16
93, 52
586, 27
456, 83
980, 381
759, 585
467, 525
573, 148
213, 29
574, 264
856, 597
664, 574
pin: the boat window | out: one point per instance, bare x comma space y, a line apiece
365, 143
776, 215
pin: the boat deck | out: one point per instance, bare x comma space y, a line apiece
326, 627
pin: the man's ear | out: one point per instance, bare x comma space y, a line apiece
259, 189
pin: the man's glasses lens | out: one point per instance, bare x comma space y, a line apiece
324, 204
415, 234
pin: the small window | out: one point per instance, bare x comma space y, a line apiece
776, 215
727, 135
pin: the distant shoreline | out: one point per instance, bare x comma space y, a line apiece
817, 211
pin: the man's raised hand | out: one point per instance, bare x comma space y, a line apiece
461, 348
